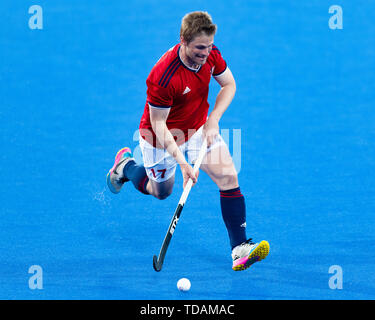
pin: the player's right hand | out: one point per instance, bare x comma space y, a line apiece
188, 173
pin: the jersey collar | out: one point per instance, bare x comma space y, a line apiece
187, 67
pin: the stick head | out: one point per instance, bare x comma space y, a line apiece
156, 264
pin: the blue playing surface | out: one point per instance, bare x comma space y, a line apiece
72, 94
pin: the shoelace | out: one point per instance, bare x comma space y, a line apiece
249, 241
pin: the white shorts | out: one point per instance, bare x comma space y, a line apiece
161, 166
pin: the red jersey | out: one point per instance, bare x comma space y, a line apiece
171, 84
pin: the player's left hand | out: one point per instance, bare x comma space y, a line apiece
211, 131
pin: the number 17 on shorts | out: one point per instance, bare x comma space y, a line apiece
159, 173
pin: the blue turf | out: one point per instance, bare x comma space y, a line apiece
72, 95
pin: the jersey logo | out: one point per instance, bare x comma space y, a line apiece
187, 89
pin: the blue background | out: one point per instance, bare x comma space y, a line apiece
73, 93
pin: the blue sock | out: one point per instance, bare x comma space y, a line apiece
233, 210
137, 175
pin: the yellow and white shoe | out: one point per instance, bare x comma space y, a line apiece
247, 253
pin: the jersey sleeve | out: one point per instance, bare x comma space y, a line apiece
158, 96
219, 62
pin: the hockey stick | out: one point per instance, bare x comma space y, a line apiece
158, 261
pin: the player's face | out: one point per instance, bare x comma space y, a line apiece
199, 49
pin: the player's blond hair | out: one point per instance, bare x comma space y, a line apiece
195, 23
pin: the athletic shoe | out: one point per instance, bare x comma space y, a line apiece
115, 176
247, 253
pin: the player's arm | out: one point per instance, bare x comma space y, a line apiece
223, 100
158, 117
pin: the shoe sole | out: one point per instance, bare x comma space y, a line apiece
258, 254
117, 160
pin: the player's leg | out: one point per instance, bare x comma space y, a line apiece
219, 166
155, 179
